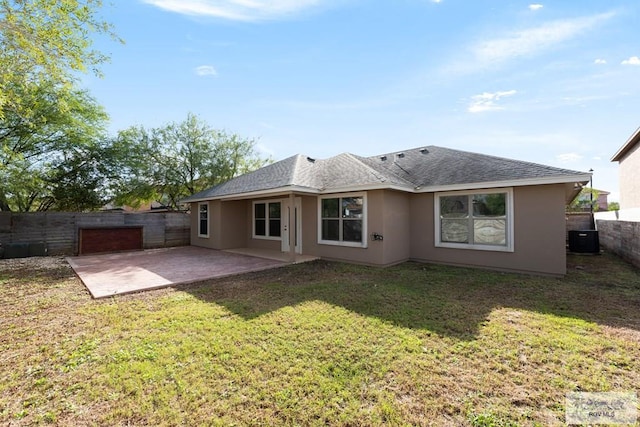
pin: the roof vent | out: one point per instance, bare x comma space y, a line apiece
424, 151
400, 155
311, 160
383, 158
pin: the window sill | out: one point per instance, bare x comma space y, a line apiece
361, 245
475, 247
279, 239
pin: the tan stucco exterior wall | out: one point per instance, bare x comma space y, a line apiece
630, 179
396, 227
539, 234
232, 224
309, 224
227, 223
406, 222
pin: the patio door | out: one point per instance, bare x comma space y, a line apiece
292, 223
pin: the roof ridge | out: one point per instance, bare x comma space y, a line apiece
296, 168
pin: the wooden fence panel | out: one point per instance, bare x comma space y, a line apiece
59, 230
61, 235
177, 231
153, 228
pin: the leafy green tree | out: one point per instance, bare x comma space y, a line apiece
79, 180
171, 162
586, 200
613, 206
20, 187
46, 40
44, 145
45, 121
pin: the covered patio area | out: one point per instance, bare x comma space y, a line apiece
121, 273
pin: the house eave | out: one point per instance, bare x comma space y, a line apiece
271, 192
627, 146
282, 191
369, 187
580, 178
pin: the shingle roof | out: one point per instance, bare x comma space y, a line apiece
297, 170
406, 170
437, 166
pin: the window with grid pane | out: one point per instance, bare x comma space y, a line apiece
342, 220
267, 219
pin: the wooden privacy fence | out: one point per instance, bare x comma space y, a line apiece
60, 231
578, 220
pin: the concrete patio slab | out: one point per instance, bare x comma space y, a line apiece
113, 274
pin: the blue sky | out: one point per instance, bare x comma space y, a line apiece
553, 82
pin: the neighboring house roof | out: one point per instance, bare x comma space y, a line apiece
627, 146
416, 170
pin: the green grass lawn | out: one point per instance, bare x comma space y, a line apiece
318, 344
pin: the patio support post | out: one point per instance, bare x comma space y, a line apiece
292, 228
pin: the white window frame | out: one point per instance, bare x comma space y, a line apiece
206, 205
364, 242
509, 228
253, 219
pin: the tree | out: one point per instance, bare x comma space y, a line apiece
613, 206
79, 180
585, 201
41, 148
48, 128
46, 40
172, 162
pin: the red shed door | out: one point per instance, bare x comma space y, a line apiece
110, 239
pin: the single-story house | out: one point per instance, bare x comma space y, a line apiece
628, 157
429, 204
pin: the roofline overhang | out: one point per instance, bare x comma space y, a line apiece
565, 179
627, 146
281, 191
253, 194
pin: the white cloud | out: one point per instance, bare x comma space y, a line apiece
568, 158
600, 61
634, 60
535, 40
206, 70
487, 101
237, 10
535, 6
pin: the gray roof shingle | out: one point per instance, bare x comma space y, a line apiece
276, 175
419, 167
437, 166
